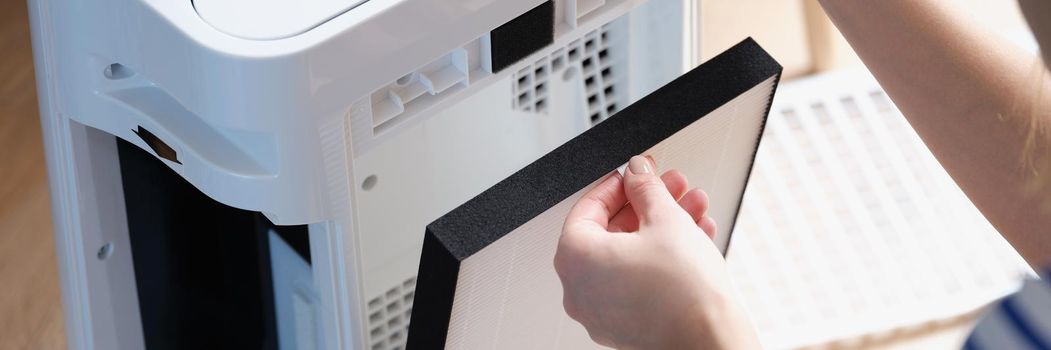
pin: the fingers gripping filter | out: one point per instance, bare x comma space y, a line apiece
487, 279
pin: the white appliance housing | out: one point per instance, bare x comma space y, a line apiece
360, 120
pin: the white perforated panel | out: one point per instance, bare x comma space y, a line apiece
389, 316
850, 227
592, 55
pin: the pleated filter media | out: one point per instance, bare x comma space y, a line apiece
487, 279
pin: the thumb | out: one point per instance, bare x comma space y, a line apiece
646, 192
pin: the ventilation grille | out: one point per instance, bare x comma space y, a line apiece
592, 53
389, 317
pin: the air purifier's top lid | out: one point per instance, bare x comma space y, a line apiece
486, 277
269, 19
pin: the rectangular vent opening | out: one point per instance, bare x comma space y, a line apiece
593, 54
389, 313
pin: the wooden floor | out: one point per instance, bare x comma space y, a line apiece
30, 305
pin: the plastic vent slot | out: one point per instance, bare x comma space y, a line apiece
583, 7
592, 54
436, 78
573, 12
388, 316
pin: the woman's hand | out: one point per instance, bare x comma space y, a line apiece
646, 275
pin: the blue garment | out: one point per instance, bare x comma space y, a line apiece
1020, 321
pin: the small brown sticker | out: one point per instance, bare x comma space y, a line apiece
159, 147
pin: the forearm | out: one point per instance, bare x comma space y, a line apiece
716, 321
972, 99
728, 327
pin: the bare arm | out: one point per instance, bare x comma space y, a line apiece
975, 100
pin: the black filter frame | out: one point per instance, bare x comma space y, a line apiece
576, 164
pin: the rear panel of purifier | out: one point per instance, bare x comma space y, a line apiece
418, 155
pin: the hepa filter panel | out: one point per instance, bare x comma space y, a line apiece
486, 277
